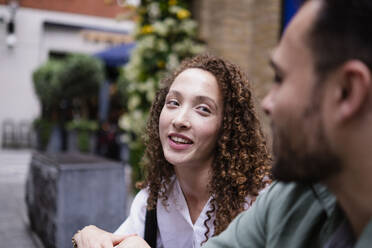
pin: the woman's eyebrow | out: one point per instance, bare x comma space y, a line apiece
207, 99
174, 93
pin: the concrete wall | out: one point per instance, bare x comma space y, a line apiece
34, 42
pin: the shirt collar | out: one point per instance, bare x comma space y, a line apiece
326, 199
174, 218
366, 238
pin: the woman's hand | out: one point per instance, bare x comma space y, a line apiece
133, 242
94, 237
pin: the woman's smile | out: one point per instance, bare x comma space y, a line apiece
179, 141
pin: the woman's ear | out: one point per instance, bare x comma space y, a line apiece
353, 89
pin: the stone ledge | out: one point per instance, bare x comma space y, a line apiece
65, 192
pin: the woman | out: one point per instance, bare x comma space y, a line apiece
206, 157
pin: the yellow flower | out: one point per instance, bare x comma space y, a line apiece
160, 63
183, 13
147, 29
172, 2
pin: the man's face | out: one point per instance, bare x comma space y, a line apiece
295, 104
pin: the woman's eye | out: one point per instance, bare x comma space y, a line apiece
172, 103
204, 109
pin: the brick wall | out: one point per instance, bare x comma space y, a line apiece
243, 31
101, 8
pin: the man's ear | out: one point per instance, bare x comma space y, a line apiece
353, 89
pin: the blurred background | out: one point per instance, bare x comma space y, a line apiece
77, 81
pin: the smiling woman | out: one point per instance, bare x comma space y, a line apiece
190, 120
206, 158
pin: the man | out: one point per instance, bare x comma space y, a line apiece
321, 111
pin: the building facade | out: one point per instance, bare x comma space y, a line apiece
243, 31
42, 28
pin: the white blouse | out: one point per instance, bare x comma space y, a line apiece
175, 228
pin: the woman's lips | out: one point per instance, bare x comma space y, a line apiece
179, 142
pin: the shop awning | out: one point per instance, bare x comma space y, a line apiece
117, 55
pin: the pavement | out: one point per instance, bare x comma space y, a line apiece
14, 224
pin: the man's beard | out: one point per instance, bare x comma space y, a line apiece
307, 159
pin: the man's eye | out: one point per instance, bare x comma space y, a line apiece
277, 78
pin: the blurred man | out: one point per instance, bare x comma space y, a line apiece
321, 111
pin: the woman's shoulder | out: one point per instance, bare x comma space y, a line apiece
140, 200
136, 219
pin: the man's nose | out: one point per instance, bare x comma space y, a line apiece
267, 104
181, 120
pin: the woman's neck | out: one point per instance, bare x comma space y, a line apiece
194, 184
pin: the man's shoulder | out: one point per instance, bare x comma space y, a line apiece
279, 201
279, 211
283, 198
279, 192
285, 207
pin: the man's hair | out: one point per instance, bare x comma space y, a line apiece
341, 31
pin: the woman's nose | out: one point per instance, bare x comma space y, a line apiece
181, 120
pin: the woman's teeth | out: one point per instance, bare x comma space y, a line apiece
180, 140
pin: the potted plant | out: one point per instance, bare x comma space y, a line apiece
81, 78
48, 91
67, 90
82, 134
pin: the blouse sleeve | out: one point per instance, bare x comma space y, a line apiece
135, 223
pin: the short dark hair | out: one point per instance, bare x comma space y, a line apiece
341, 31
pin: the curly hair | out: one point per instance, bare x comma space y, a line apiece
242, 163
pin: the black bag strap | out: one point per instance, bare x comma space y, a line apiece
151, 227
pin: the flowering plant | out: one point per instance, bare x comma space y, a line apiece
165, 35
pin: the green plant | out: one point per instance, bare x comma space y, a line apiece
165, 35
43, 127
83, 141
81, 76
80, 79
84, 129
47, 86
68, 89
83, 125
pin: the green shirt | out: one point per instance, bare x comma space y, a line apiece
288, 215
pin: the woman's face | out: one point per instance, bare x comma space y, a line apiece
191, 119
